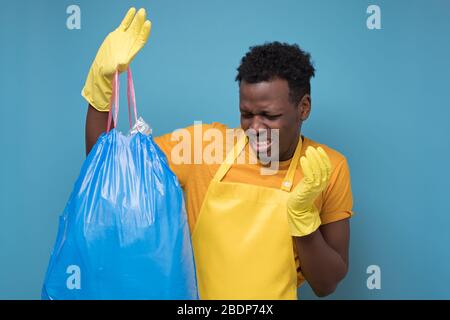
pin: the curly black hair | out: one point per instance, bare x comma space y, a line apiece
278, 60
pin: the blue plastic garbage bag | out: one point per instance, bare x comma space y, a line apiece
124, 232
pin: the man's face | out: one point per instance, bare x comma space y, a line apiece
265, 106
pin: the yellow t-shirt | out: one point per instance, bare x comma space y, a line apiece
335, 203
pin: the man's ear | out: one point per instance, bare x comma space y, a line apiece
304, 107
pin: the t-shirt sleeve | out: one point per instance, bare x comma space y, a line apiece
178, 141
184, 148
338, 199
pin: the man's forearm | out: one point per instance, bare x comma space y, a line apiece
322, 265
96, 123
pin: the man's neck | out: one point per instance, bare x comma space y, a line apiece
291, 151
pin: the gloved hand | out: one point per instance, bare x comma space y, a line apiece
116, 53
303, 216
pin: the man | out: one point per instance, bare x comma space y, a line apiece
255, 236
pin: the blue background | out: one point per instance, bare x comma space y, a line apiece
381, 97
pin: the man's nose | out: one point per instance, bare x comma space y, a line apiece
258, 124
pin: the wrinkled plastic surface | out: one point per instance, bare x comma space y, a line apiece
123, 233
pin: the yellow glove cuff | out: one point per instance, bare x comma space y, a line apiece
303, 223
97, 90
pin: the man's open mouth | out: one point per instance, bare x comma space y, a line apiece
260, 146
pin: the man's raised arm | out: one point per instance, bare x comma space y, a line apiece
116, 53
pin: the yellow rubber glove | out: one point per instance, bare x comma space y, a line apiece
116, 53
303, 216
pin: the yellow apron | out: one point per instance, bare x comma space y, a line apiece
241, 241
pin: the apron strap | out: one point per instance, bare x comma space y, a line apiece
288, 180
229, 160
